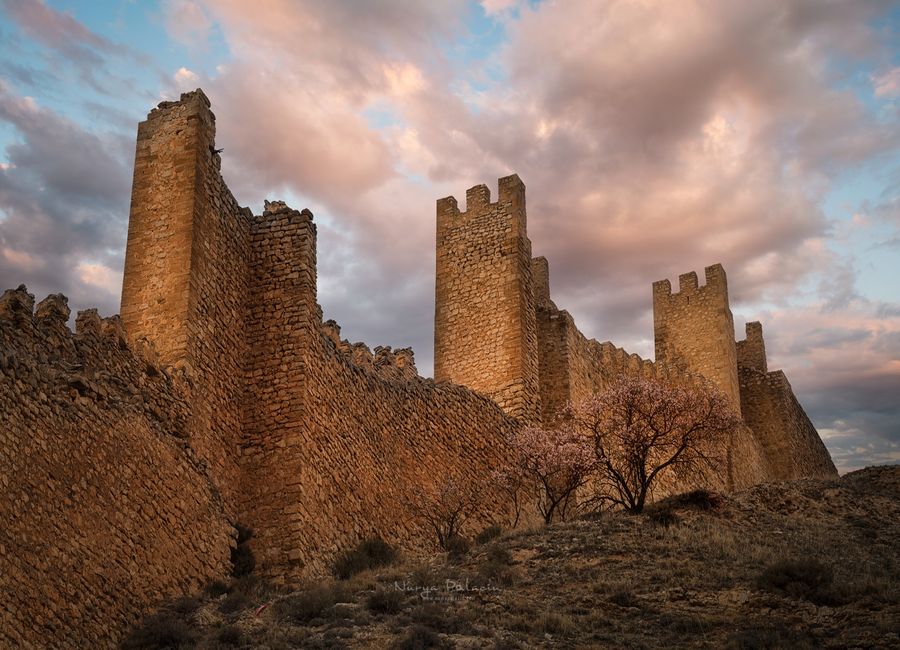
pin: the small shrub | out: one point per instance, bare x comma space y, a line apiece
161, 631
495, 566
234, 602
498, 554
242, 560
215, 588
305, 606
368, 554
185, 606
699, 500
623, 597
663, 518
439, 618
457, 547
230, 635
428, 576
802, 579
418, 638
254, 587
385, 601
488, 534
553, 623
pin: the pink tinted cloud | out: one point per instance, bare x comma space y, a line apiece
656, 137
293, 135
292, 103
887, 84
187, 22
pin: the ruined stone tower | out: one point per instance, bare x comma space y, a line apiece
485, 335
186, 275
694, 329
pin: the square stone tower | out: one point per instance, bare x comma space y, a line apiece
485, 331
694, 329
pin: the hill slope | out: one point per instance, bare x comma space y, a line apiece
810, 563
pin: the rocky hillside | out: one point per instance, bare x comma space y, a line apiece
804, 564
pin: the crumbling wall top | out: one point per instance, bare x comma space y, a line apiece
195, 98
387, 363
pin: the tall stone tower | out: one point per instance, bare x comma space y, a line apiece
485, 332
156, 291
186, 271
694, 329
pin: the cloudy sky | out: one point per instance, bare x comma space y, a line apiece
654, 137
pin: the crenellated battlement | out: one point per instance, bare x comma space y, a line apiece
572, 366
511, 193
509, 206
716, 286
43, 331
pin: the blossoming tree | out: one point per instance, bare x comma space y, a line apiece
551, 464
643, 427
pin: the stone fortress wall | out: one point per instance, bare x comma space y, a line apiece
483, 267
132, 448
106, 505
129, 458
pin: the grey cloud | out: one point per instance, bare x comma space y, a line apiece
828, 338
65, 201
844, 373
628, 108
864, 403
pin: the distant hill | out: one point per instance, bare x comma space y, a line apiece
800, 564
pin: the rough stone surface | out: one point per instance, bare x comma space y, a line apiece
791, 443
107, 509
186, 278
130, 449
336, 439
